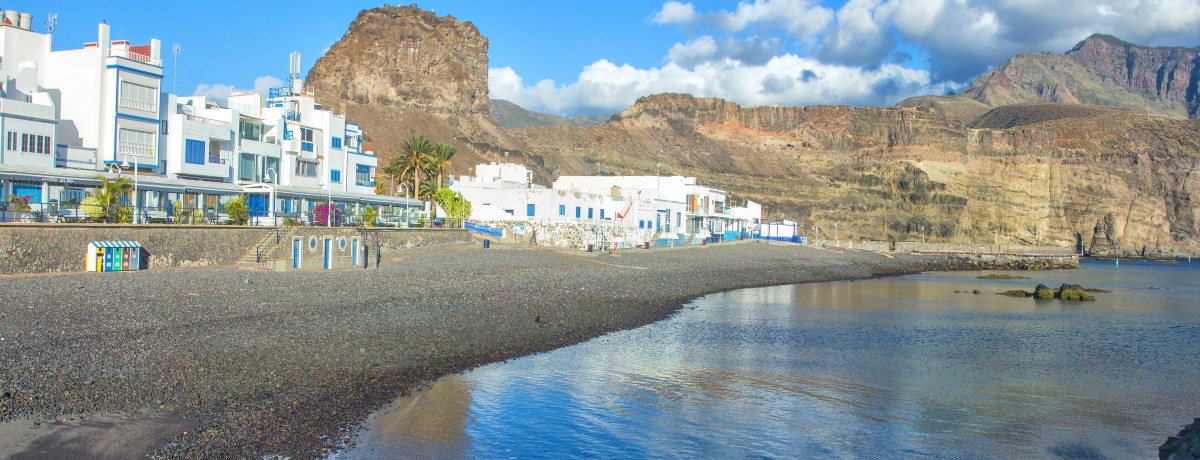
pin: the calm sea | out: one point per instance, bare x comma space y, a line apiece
892, 368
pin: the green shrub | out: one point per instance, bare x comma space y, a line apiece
368, 216
238, 212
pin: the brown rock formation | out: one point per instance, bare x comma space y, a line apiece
1047, 174
400, 70
1101, 70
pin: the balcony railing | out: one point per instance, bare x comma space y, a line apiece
307, 146
209, 121
292, 115
134, 148
139, 105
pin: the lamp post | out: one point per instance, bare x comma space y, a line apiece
329, 204
135, 219
406, 216
922, 234
835, 233
271, 196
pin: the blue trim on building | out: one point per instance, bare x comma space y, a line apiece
22, 117
137, 118
137, 71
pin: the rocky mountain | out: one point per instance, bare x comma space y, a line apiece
1107, 179
400, 70
512, 116
1025, 156
1101, 70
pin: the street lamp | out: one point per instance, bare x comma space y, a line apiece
922, 234
835, 233
406, 216
271, 197
135, 219
329, 204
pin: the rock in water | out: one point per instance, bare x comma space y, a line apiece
1073, 292
1043, 292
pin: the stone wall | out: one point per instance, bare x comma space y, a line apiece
572, 235
48, 248
379, 241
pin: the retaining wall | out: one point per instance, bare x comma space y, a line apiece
46, 248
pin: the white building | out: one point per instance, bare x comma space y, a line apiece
71, 115
506, 192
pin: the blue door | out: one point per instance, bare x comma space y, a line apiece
258, 204
296, 252
328, 253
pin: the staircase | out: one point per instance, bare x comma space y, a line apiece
265, 248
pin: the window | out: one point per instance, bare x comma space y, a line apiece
249, 130
306, 140
136, 142
24, 142
246, 163
589, 213
336, 143
578, 212
163, 128
335, 176
529, 210
362, 176
29, 143
12, 140
193, 152
562, 209
602, 213
139, 97
306, 168
271, 168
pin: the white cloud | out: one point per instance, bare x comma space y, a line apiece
753, 51
800, 18
604, 87
859, 37
215, 91
674, 12
262, 85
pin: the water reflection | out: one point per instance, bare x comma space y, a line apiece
883, 368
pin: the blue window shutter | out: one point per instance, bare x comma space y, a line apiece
194, 152
590, 213
529, 210
578, 212
562, 209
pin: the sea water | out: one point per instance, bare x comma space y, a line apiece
892, 368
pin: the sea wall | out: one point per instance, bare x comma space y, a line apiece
49, 248
569, 235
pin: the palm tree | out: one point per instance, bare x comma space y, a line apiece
109, 195
442, 153
395, 171
415, 156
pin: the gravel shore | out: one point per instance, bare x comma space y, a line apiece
288, 362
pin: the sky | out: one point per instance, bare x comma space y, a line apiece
599, 57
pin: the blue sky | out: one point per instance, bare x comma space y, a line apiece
600, 56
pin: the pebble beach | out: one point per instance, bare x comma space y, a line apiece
246, 363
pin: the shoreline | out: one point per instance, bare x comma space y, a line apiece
289, 363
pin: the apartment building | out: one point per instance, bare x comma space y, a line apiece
69, 116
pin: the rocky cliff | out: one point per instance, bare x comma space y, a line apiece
1101, 70
400, 70
962, 169
1109, 180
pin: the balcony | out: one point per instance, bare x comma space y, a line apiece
126, 53
207, 121
292, 115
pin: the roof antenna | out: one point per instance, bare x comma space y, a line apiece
175, 50
51, 20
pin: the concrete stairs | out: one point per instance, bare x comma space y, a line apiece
266, 247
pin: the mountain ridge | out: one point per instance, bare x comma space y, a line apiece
1002, 160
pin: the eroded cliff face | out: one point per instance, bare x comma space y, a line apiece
895, 173
1101, 70
400, 70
